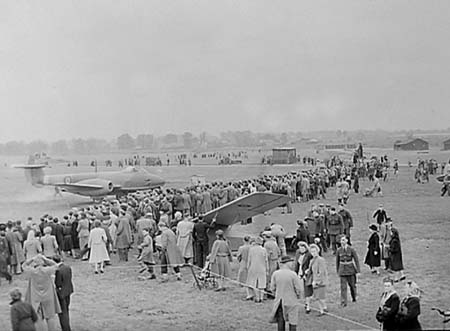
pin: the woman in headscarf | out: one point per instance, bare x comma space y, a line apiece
407, 317
373, 257
41, 293
388, 308
395, 256
32, 246
301, 268
220, 259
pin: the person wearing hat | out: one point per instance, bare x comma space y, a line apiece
396, 256
273, 256
335, 226
23, 315
287, 288
373, 256
64, 289
220, 259
380, 214
257, 266
347, 266
171, 254
347, 219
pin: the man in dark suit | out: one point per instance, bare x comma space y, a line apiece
64, 288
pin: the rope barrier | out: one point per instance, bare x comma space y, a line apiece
241, 284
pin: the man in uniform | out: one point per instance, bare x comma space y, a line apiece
347, 219
347, 266
335, 226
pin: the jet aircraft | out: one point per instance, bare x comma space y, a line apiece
95, 184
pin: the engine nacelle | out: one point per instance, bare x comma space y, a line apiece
106, 187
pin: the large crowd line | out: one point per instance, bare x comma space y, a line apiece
167, 228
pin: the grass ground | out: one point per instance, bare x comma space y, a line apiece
118, 301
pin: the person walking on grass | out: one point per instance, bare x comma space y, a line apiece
286, 286
396, 256
373, 256
347, 266
319, 273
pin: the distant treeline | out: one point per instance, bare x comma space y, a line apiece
189, 141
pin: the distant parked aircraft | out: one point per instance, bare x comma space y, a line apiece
95, 184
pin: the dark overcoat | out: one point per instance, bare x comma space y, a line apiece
395, 254
373, 257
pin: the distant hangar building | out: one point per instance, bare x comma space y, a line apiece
284, 155
447, 145
416, 144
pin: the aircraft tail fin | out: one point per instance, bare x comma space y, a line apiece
34, 173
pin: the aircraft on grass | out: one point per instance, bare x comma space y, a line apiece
96, 184
242, 210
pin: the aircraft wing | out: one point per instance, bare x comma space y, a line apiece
80, 186
245, 207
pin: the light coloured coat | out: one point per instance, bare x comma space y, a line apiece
257, 266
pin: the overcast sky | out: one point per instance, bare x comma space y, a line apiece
102, 68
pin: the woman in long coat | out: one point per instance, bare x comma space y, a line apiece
41, 292
5, 253
220, 259
97, 244
15, 241
184, 238
319, 274
395, 255
32, 246
171, 254
257, 266
301, 267
373, 256
242, 257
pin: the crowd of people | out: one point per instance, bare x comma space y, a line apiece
167, 228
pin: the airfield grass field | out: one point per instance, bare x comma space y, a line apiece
116, 300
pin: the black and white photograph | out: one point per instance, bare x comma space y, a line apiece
224, 165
